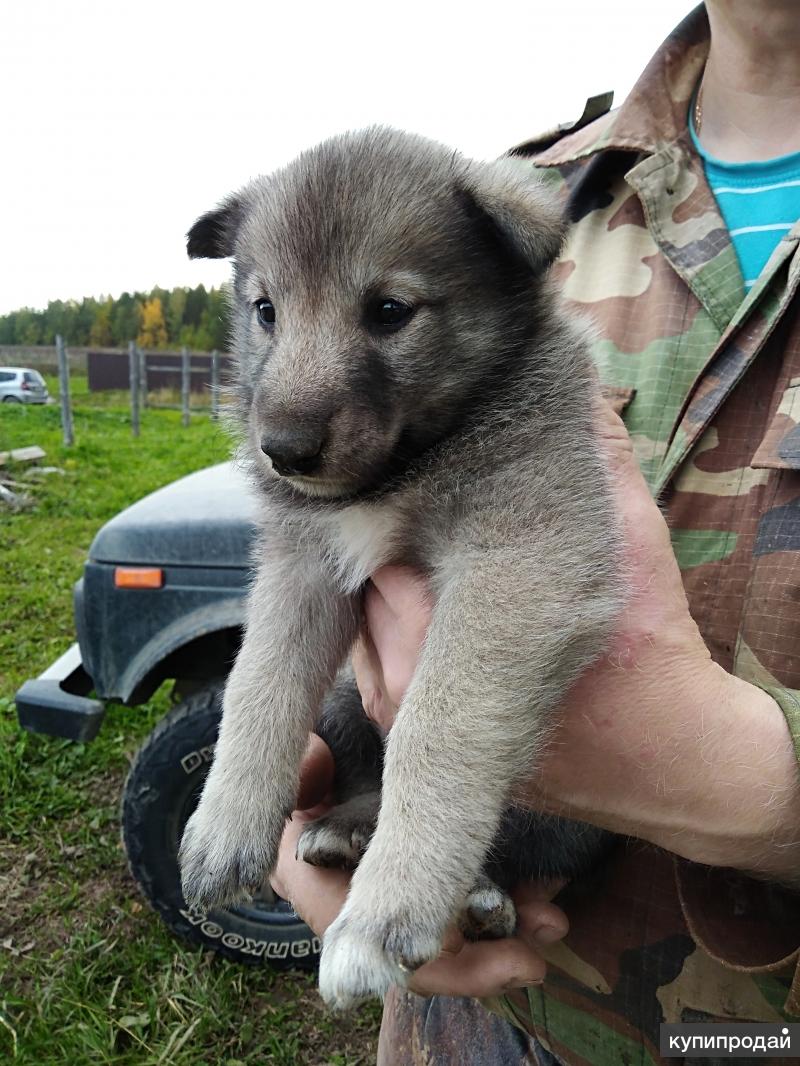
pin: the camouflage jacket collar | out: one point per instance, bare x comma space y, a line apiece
654, 114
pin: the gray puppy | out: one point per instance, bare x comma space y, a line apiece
412, 393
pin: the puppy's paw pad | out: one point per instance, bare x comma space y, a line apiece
333, 842
489, 913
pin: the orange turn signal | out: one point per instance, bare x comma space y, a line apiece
138, 577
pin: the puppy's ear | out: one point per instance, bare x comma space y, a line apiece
510, 203
213, 234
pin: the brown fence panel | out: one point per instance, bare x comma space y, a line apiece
107, 370
162, 371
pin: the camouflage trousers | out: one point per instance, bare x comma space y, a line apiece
440, 1031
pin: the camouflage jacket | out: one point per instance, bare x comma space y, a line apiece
709, 384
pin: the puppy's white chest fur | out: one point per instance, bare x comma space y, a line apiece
362, 538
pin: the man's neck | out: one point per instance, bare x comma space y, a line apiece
750, 97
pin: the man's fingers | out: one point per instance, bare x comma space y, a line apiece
316, 774
369, 679
539, 922
490, 967
645, 528
485, 968
614, 439
316, 894
453, 941
397, 608
403, 590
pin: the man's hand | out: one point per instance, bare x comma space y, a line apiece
487, 968
655, 740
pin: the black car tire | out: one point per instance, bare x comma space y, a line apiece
161, 792
11, 399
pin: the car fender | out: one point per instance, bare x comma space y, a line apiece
210, 618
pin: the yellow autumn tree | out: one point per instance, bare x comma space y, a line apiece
153, 331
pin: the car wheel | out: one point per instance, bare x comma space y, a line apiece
11, 399
161, 791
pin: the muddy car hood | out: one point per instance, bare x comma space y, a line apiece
204, 519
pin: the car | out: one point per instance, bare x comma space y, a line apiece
163, 597
18, 384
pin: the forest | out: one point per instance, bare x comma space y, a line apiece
159, 319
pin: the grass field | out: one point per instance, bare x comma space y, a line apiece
87, 973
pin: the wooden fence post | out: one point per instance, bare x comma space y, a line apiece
215, 384
63, 390
185, 385
133, 370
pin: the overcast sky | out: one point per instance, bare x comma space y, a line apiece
123, 122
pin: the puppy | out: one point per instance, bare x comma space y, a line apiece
412, 393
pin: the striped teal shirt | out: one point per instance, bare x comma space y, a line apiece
760, 202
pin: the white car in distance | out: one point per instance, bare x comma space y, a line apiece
21, 385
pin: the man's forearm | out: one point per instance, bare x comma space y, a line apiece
742, 793
680, 753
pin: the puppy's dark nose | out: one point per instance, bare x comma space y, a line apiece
293, 452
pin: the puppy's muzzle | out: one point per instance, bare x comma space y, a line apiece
293, 452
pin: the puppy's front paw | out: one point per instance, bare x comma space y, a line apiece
362, 958
226, 854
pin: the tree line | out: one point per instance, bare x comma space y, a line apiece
196, 318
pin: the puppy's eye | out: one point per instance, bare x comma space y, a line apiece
388, 313
266, 313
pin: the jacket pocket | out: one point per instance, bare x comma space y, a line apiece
768, 648
780, 448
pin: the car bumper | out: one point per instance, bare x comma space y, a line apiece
57, 703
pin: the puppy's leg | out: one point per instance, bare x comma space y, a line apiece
340, 838
355, 741
531, 846
298, 632
471, 724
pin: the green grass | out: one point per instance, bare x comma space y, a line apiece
87, 972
